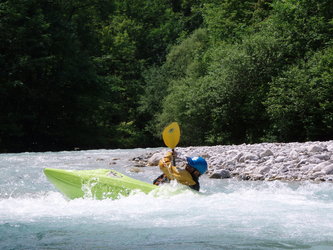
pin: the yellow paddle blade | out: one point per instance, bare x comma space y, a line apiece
171, 135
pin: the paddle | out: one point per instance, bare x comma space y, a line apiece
171, 136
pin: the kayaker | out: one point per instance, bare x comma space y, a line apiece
195, 167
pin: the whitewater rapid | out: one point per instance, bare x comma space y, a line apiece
227, 214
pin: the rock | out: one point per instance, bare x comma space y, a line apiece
248, 157
232, 155
328, 169
155, 158
318, 179
138, 165
293, 154
280, 159
217, 162
329, 178
269, 162
316, 175
322, 157
265, 161
321, 166
301, 163
264, 169
238, 156
257, 177
330, 147
222, 174
314, 160
228, 165
266, 153
315, 149
306, 168
291, 163
284, 169
136, 170
244, 177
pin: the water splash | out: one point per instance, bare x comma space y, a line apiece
226, 214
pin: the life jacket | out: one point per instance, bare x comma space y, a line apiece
173, 173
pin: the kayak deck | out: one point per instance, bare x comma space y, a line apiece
97, 184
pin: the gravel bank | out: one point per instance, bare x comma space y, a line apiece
264, 161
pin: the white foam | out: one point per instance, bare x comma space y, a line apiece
264, 210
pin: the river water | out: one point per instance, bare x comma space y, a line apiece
228, 214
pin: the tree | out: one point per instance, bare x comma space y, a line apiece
48, 80
300, 101
227, 20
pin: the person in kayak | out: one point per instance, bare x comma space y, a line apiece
195, 167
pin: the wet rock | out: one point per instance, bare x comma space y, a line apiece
138, 165
316, 175
257, 177
329, 178
221, 174
136, 170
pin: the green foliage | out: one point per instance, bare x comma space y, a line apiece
186, 59
303, 25
251, 44
96, 73
71, 71
227, 20
302, 98
183, 66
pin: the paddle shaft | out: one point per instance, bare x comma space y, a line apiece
173, 157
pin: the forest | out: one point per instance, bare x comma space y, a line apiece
93, 74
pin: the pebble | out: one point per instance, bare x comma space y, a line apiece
265, 161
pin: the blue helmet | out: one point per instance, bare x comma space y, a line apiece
198, 163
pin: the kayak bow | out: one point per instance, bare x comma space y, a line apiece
96, 184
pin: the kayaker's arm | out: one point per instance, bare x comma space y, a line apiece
165, 162
173, 173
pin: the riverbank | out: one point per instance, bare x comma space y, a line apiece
265, 161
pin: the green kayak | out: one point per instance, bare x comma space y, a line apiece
96, 184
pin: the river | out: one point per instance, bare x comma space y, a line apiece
228, 214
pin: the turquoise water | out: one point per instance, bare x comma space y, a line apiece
228, 214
